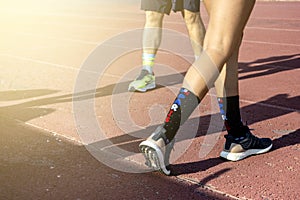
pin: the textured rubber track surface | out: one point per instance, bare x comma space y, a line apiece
43, 45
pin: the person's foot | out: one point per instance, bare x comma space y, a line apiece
156, 150
239, 148
145, 81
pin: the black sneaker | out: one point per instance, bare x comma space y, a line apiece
156, 150
239, 148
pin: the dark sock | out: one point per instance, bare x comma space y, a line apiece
182, 108
230, 111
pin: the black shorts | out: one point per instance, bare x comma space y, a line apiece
165, 6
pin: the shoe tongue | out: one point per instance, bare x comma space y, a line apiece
245, 129
161, 143
159, 133
240, 138
142, 74
238, 132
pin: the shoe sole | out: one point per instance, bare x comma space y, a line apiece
239, 156
144, 89
154, 156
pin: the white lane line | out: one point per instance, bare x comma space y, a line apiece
271, 65
50, 64
59, 38
276, 19
265, 105
134, 12
99, 42
77, 69
273, 29
135, 19
271, 43
111, 45
207, 187
97, 26
53, 133
271, 106
38, 61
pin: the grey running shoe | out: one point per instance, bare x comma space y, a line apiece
145, 81
239, 148
156, 150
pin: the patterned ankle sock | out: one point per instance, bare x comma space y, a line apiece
182, 108
148, 62
230, 111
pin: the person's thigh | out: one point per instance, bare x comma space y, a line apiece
225, 28
226, 24
161, 6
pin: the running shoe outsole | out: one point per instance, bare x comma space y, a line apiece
154, 157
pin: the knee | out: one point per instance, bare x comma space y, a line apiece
191, 17
219, 50
154, 19
221, 42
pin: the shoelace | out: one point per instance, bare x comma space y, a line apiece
142, 74
252, 141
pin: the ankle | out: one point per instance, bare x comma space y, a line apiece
238, 131
147, 69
